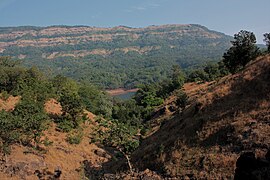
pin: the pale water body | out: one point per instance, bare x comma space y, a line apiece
125, 96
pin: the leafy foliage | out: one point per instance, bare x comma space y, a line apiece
128, 112
28, 120
95, 100
158, 49
267, 41
210, 72
25, 82
116, 134
244, 49
72, 109
75, 137
24, 124
182, 99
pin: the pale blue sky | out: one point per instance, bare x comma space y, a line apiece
228, 16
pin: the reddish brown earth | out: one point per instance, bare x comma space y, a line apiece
223, 119
53, 107
9, 104
60, 154
69, 158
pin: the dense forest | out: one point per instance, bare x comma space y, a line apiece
113, 57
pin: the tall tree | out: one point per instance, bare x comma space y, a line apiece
267, 41
178, 77
243, 50
6, 61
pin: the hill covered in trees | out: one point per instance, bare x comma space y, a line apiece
113, 57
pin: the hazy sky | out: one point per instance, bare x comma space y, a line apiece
228, 16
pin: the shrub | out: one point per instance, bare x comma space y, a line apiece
267, 41
72, 109
47, 142
95, 100
25, 124
182, 99
31, 119
116, 134
4, 95
65, 125
75, 137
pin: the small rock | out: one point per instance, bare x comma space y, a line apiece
57, 173
172, 108
101, 153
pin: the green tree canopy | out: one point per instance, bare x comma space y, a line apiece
5, 61
267, 41
178, 77
243, 50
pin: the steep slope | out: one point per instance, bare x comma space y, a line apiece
113, 57
223, 119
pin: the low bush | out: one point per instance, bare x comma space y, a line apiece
75, 137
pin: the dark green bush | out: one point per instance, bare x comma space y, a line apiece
4, 95
75, 137
95, 100
65, 125
182, 99
24, 124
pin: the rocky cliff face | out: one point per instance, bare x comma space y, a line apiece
64, 35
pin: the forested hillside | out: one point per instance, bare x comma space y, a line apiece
113, 57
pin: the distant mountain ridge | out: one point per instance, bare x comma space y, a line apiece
112, 54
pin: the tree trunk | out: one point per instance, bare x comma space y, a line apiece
128, 161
